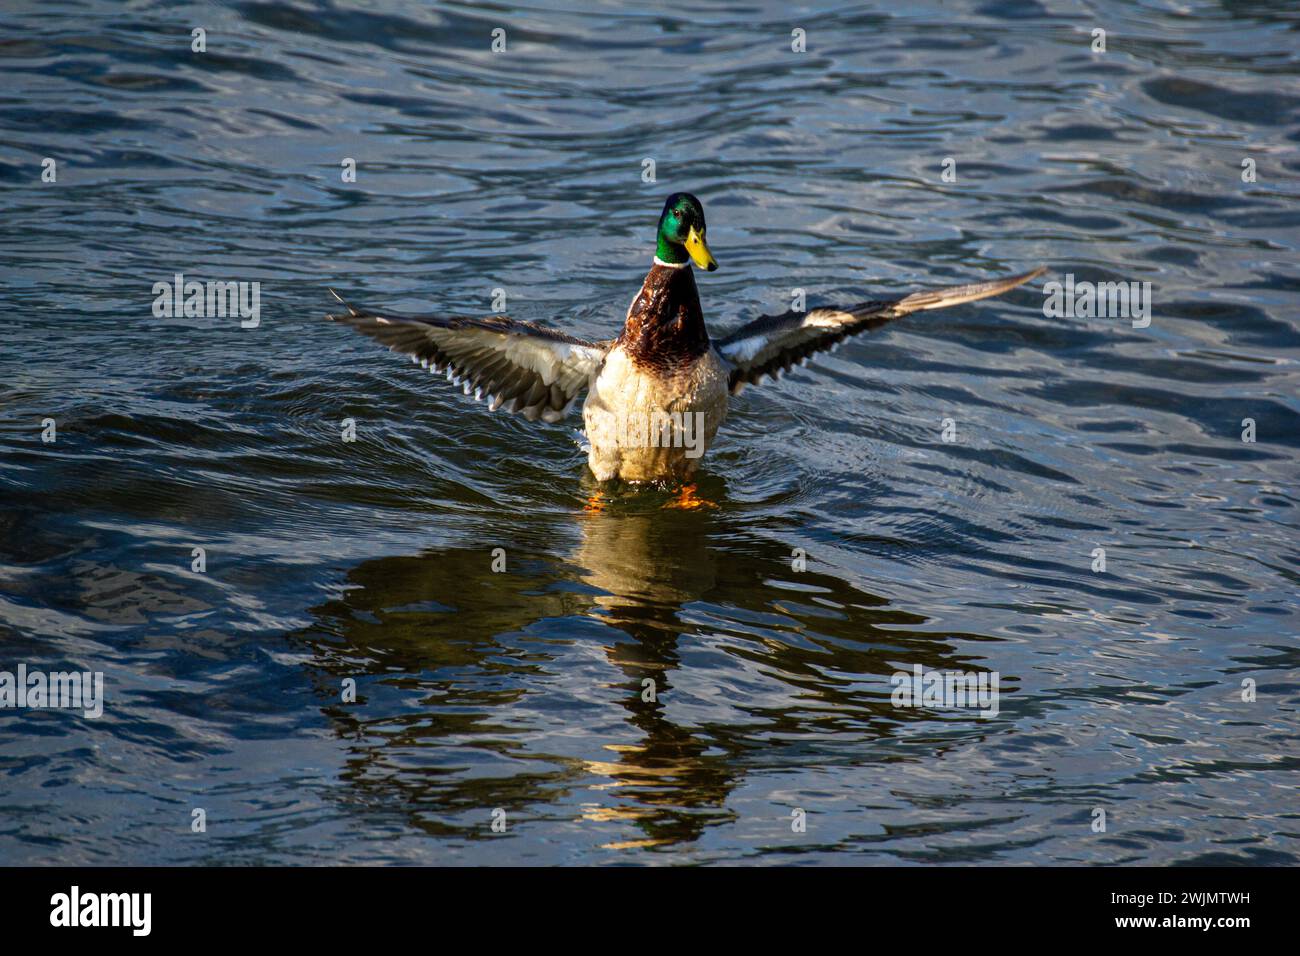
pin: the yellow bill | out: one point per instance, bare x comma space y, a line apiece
699, 251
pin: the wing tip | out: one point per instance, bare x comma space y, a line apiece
1015, 281
343, 302
960, 294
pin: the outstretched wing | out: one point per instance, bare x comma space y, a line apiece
773, 344
522, 367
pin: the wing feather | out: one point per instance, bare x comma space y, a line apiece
773, 344
522, 367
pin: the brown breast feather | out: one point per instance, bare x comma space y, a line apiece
665, 327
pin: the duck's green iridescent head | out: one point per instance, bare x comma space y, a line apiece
681, 233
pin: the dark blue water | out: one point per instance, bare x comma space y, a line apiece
521, 691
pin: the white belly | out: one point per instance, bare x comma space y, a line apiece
645, 427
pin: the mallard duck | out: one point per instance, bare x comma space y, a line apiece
657, 393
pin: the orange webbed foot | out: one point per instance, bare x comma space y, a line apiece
687, 500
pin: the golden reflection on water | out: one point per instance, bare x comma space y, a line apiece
444, 623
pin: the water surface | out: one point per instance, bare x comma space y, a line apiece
522, 691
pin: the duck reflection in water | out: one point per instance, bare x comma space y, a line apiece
466, 676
